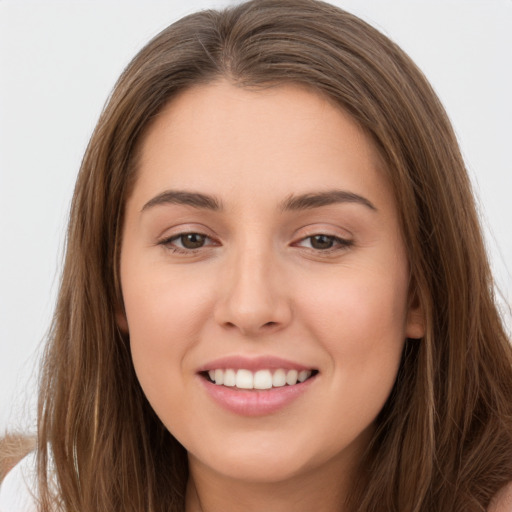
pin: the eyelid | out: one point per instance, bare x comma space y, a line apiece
323, 228
182, 228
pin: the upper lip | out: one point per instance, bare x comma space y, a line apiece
253, 364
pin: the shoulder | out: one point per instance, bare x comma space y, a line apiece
502, 502
18, 488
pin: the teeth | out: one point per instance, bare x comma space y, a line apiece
244, 379
291, 377
219, 377
303, 375
279, 378
262, 379
229, 378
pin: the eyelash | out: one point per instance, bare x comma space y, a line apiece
339, 244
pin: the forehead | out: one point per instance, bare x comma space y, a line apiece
220, 139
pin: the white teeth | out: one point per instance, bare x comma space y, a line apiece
303, 375
279, 378
291, 377
229, 378
244, 379
219, 377
262, 379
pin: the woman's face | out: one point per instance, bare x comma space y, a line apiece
262, 247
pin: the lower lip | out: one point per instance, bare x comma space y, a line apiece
255, 402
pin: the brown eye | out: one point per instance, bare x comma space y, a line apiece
322, 241
187, 243
192, 240
326, 243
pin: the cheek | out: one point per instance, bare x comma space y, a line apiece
163, 321
159, 306
359, 319
362, 331
165, 316
363, 309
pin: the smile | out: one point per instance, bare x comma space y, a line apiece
261, 379
256, 386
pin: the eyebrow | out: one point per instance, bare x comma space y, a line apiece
307, 201
319, 199
194, 199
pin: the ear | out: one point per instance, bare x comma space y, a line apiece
415, 324
121, 320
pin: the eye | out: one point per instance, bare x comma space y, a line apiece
322, 242
187, 242
191, 240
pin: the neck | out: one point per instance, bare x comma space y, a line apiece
322, 490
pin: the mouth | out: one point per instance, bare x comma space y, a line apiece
256, 386
262, 379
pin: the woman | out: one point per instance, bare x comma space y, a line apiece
275, 291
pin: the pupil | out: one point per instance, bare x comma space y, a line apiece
192, 240
322, 242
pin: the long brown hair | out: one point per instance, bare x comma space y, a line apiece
13, 447
444, 438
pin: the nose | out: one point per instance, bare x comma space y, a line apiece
252, 295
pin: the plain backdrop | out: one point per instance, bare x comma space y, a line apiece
58, 63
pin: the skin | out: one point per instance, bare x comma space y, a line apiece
502, 502
260, 286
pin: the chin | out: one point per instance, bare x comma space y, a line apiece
261, 461
265, 469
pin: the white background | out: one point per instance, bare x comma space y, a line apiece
58, 63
